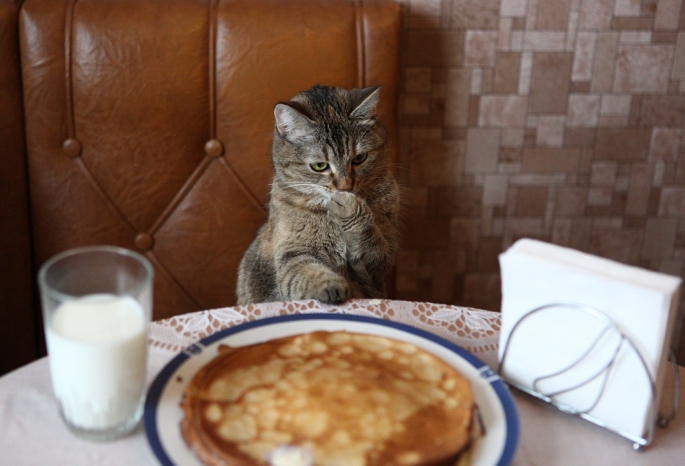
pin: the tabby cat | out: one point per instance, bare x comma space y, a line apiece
332, 227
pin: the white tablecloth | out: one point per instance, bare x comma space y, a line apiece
31, 432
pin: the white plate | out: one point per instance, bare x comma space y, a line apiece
163, 415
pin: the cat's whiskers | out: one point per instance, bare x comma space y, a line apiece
290, 185
313, 189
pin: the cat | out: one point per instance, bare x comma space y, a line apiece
331, 232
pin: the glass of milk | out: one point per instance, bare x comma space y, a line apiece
97, 305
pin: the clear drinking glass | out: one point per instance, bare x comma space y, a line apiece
97, 306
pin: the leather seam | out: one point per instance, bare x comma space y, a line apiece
98, 188
68, 85
213, 14
162, 269
361, 43
243, 186
180, 195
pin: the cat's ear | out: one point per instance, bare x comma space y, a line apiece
293, 125
366, 101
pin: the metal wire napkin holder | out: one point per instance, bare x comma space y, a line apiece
655, 417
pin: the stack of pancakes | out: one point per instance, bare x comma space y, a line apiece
342, 398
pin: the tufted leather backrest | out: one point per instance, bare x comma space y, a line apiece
149, 122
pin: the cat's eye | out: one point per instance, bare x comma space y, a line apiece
318, 166
360, 158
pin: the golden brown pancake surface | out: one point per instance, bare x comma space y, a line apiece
347, 399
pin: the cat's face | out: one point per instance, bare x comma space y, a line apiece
327, 139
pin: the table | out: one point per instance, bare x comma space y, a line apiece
31, 432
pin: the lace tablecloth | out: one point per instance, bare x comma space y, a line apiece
475, 330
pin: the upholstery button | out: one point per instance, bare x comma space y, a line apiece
144, 241
214, 148
72, 147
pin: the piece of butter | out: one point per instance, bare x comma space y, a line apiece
288, 455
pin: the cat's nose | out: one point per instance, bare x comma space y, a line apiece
344, 184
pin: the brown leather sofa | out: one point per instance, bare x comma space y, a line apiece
147, 124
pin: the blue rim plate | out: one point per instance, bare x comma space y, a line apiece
163, 415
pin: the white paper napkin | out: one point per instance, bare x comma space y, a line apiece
641, 303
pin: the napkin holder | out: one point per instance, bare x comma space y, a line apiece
624, 342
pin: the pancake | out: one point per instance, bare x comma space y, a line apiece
337, 398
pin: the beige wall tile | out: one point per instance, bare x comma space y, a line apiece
414, 200
679, 59
435, 48
512, 137
616, 105
603, 174
416, 104
668, 14
418, 80
632, 23
600, 196
482, 291
462, 201
603, 76
425, 7
531, 202
550, 82
504, 39
502, 111
523, 227
583, 110
482, 150
550, 131
526, 73
596, 14
613, 121
436, 163
457, 98
425, 233
513, 8
635, 37
665, 144
481, 47
544, 41
584, 57
572, 31
551, 160
476, 81
507, 72
662, 110
442, 283
640, 189
620, 245
571, 201
464, 233
623, 144
580, 137
553, 14
672, 201
475, 14
527, 179
660, 237
643, 68
495, 190
628, 7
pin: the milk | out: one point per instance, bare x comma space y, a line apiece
98, 347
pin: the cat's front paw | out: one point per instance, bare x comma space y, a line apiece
331, 290
344, 206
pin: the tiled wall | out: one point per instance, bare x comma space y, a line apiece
553, 119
